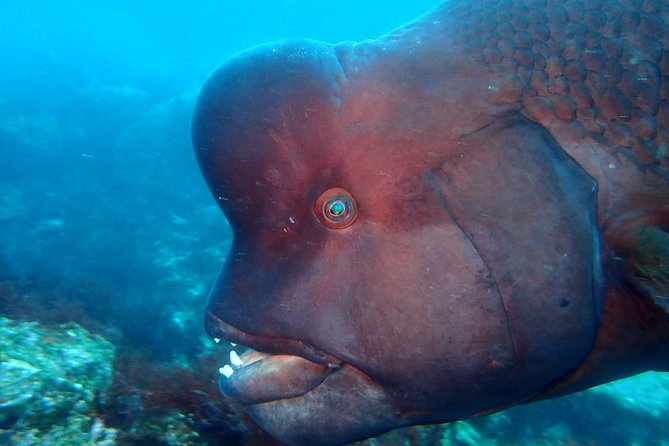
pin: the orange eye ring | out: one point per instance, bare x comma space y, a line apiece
336, 208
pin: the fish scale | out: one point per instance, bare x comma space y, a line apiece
598, 71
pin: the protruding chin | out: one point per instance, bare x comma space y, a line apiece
345, 407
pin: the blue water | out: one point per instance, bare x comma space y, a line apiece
95, 107
104, 217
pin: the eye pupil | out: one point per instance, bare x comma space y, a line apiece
337, 208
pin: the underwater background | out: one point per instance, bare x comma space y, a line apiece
110, 239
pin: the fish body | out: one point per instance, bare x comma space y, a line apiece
467, 213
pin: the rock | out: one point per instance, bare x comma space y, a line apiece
49, 378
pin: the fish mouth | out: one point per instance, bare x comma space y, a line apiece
268, 369
300, 394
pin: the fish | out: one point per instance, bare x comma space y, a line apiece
467, 213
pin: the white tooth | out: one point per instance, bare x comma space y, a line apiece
226, 371
217, 340
233, 344
234, 359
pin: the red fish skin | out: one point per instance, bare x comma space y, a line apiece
504, 155
596, 75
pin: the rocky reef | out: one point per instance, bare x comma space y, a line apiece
49, 381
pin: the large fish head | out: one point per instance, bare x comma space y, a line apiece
391, 267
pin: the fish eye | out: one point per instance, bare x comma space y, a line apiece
336, 208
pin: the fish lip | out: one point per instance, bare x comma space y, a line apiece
285, 378
217, 328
